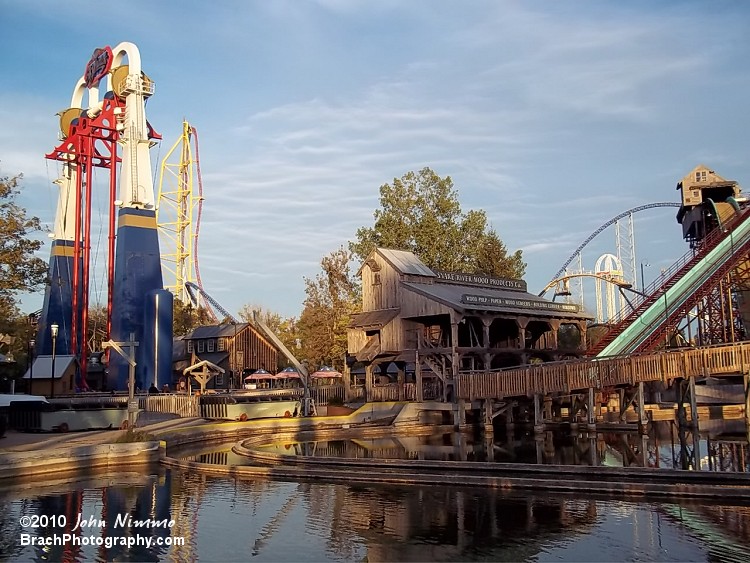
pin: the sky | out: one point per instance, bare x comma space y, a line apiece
554, 117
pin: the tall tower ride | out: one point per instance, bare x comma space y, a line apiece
106, 133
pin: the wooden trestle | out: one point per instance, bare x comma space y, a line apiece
584, 382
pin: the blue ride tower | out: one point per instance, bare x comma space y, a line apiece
137, 258
58, 295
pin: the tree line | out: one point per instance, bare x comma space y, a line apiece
419, 212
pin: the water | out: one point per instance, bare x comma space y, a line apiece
724, 448
234, 520
228, 519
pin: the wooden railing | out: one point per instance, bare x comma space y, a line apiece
577, 375
182, 405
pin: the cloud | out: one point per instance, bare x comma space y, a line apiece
552, 118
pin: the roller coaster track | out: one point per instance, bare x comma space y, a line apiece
612, 221
686, 283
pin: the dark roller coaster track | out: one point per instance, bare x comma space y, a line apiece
612, 221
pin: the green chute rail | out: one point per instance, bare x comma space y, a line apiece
690, 280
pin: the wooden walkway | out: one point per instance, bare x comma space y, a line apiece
579, 375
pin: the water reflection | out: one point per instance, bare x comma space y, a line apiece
238, 520
666, 445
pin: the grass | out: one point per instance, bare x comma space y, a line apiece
132, 436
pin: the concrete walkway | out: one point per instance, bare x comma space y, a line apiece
14, 441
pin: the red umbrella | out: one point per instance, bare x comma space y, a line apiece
288, 373
325, 372
259, 374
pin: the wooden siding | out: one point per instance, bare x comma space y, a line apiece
416, 305
385, 294
249, 350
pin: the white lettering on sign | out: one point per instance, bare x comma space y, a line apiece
519, 303
473, 279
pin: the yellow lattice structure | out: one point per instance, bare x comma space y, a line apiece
177, 214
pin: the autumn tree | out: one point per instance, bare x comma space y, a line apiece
420, 212
20, 270
185, 317
332, 297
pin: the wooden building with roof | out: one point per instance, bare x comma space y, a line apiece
234, 347
438, 324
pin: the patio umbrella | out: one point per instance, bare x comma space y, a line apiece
259, 374
288, 373
326, 372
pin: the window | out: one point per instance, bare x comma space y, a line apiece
376, 278
221, 344
219, 379
211, 344
201, 346
190, 346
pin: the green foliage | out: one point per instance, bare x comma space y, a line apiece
336, 401
186, 318
568, 337
20, 270
132, 436
332, 298
420, 213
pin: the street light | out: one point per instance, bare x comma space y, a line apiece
53, 330
32, 343
643, 282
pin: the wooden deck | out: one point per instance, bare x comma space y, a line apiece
578, 375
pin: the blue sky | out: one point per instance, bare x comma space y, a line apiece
552, 116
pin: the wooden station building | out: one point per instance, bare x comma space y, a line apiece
234, 347
433, 325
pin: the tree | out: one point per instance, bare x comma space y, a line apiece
185, 317
20, 270
420, 213
332, 298
270, 318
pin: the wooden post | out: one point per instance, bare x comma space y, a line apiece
400, 379
538, 420
642, 420
488, 416
460, 414
746, 378
368, 382
591, 409
347, 383
693, 403
418, 376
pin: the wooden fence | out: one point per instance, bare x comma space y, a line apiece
578, 375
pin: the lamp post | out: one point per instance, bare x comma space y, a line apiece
32, 343
53, 329
643, 282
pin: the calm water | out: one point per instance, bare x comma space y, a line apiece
234, 520
224, 519
721, 448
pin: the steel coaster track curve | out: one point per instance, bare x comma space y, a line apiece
612, 221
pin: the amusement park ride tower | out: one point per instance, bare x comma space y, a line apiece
103, 134
708, 202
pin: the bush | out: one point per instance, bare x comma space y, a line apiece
335, 401
135, 436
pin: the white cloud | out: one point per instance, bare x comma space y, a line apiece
553, 119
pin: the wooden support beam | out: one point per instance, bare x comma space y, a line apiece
538, 420
591, 409
642, 420
693, 403
418, 377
